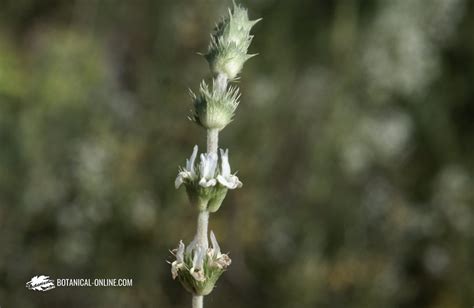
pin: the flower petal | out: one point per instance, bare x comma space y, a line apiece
207, 183
225, 167
208, 165
195, 257
190, 162
215, 245
174, 270
179, 181
198, 274
200, 259
235, 180
231, 182
223, 261
180, 252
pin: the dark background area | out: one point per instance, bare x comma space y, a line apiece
354, 140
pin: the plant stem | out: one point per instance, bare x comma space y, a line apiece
212, 140
221, 82
203, 216
201, 230
201, 238
197, 301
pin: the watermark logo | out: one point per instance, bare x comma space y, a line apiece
44, 283
40, 283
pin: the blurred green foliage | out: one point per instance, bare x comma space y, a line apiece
354, 140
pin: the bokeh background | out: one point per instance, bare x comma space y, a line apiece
354, 140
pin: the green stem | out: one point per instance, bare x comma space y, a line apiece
201, 230
212, 140
198, 301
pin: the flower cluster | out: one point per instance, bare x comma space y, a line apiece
230, 41
198, 268
207, 183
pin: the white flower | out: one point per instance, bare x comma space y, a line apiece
218, 259
216, 250
225, 177
223, 261
187, 173
207, 169
179, 263
180, 252
197, 270
198, 258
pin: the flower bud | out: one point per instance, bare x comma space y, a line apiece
214, 109
228, 60
230, 41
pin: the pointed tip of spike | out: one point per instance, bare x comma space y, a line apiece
254, 22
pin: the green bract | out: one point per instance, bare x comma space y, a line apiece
206, 198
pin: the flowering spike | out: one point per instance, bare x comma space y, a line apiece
198, 266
